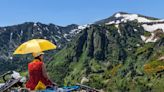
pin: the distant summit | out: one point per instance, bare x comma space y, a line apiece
122, 17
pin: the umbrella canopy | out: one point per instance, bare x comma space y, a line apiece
35, 46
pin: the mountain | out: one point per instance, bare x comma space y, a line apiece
12, 36
121, 53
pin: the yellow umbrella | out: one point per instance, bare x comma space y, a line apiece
35, 46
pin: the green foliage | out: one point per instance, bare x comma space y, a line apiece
145, 48
95, 81
147, 34
58, 72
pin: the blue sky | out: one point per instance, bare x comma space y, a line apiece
64, 12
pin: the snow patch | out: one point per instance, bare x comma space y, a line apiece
135, 30
153, 27
118, 15
117, 26
152, 38
143, 38
38, 28
123, 18
118, 22
21, 33
59, 31
131, 17
74, 31
83, 26
45, 28
11, 36
65, 35
35, 25
111, 22
58, 36
78, 30
54, 39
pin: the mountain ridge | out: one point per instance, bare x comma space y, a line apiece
12, 36
113, 17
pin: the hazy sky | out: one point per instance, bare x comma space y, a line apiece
64, 12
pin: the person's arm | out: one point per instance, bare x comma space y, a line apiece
44, 71
46, 75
